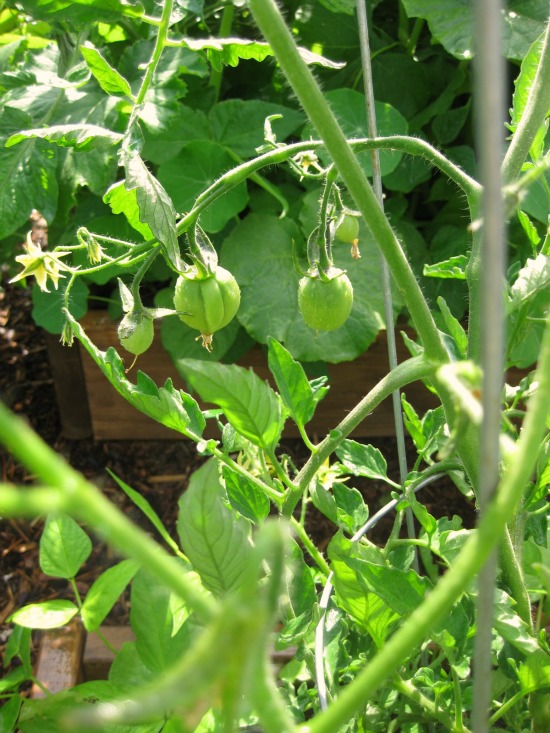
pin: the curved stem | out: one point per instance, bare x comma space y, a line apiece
407, 372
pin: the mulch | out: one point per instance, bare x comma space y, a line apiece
158, 469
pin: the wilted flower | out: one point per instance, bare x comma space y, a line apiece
42, 265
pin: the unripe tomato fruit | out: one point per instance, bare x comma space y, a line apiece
325, 305
136, 332
348, 229
207, 304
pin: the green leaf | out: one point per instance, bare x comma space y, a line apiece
82, 12
216, 540
363, 460
9, 712
351, 510
259, 253
454, 328
453, 268
239, 124
81, 137
155, 206
292, 383
169, 406
145, 507
511, 627
125, 202
160, 638
340, 6
367, 609
27, 175
128, 671
64, 547
229, 51
452, 24
193, 170
104, 593
349, 107
534, 673
109, 79
523, 85
532, 279
46, 615
249, 404
47, 307
245, 497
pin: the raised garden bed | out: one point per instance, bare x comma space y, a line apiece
90, 406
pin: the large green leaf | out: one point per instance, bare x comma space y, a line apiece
532, 279
173, 408
64, 547
239, 124
46, 307
46, 615
249, 404
155, 617
82, 12
350, 110
155, 205
193, 170
81, 137
259, 253
451, 22
123, 201
27, 175
216, 540
104, 593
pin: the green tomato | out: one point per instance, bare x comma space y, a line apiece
136, 332
325, 305
348, 229
207, 303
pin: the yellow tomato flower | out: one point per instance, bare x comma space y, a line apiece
42, 265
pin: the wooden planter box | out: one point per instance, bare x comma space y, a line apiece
89, 406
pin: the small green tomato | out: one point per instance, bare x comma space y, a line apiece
207, 303
347, 230
325, 305
136, 332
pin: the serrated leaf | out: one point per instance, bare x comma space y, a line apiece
532, 279
155, 206
363, 460
81, 137
245, 497
511, 627
125, 202
104, 593
171, 407
108, 78
292, 383
351, 510
249, 404
46, 615
214, 538
229, 51
28, 177
145, 507
452, 269
64, 547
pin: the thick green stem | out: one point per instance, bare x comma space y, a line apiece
465, 566
407, 372
532, 118
312, 100
84, 501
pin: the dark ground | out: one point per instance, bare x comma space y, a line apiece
158, 469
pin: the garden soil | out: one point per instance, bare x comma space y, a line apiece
160, 470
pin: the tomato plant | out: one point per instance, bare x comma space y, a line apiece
125, 126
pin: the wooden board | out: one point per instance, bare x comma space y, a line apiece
114, 419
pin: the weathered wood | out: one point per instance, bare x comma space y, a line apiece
70, 389
97, 657
114, 419
59, 663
